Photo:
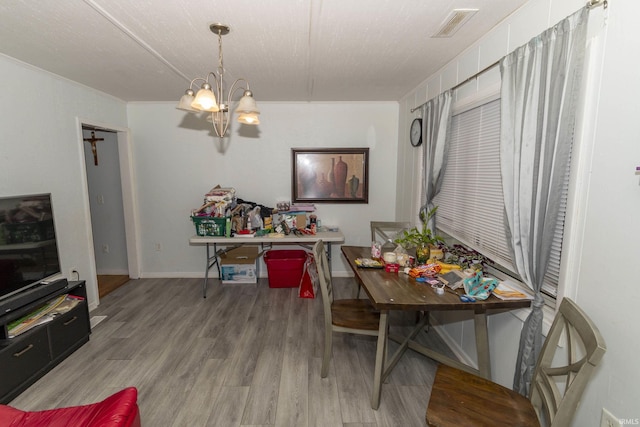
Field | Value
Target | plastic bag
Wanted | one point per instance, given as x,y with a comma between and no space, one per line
479,287
309,281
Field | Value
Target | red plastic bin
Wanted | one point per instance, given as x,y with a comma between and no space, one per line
285,267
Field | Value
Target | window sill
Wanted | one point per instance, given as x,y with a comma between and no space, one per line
548,312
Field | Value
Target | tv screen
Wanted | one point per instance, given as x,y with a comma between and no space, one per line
28,247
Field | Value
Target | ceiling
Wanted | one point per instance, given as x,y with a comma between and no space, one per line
289,50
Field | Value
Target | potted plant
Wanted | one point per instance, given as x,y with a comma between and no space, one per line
421,239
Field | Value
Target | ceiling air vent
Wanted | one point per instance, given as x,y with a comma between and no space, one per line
452,23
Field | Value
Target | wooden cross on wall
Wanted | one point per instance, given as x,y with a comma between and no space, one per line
94,149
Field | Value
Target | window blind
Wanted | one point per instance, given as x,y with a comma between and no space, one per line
470,202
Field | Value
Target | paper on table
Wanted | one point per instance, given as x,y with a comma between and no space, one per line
508,291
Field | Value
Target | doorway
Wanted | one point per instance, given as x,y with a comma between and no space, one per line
109,185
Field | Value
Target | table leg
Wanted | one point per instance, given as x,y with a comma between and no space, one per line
404,344
206,274
482,344
381,356
215,259
211,261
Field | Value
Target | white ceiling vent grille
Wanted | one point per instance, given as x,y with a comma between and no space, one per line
452,23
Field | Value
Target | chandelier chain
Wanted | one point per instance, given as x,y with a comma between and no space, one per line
220,57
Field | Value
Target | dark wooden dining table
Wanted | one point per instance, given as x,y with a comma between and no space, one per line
398,291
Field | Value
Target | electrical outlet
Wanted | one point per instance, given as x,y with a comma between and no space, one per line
105,248
101,199
158,247
73,274
608,420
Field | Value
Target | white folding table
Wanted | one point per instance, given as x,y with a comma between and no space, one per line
304,240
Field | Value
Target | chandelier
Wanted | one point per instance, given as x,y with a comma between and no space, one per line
211,95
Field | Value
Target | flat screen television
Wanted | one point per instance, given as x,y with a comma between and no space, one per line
28,247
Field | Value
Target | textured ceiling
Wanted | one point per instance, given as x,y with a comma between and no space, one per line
289,50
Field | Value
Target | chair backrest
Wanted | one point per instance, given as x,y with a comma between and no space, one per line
324,276
556,390
385,231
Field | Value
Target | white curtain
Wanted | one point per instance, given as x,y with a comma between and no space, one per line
540,89
436,120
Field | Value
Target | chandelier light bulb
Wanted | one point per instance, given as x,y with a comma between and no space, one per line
249,119
205,99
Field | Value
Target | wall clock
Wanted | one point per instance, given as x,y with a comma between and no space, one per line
415,132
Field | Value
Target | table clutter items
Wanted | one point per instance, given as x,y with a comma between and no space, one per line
391,267
222,213
456,267
376,250
389,257
369,263
479,287
507,291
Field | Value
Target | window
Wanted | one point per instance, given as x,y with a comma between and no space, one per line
470,203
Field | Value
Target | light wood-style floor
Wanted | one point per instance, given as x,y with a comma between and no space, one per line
247,355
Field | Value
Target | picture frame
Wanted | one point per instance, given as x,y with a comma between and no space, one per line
330,175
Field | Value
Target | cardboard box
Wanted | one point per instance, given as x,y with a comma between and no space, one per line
239,265
301,220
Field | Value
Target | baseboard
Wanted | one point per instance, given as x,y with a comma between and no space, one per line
117,272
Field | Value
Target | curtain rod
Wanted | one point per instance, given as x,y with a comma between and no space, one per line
468,79
595,3
590,5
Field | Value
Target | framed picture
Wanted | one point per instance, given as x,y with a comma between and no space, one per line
330,175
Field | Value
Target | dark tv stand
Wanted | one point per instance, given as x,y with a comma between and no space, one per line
32,294
27,357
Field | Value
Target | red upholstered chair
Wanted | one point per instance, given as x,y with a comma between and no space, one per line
117,410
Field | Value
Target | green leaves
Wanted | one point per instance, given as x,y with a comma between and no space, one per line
415,237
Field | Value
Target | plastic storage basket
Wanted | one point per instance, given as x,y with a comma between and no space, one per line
285,267
210,225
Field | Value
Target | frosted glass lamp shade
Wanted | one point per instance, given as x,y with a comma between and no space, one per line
247,104
205,100
185,102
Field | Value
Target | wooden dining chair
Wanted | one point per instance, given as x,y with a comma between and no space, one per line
387,231
462,399
353,316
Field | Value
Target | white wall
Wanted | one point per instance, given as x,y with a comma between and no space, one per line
602,251
41,152
177,163
607,285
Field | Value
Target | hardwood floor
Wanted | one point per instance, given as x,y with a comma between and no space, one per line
246,355
108,283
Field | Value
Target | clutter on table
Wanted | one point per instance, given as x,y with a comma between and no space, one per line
224,214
